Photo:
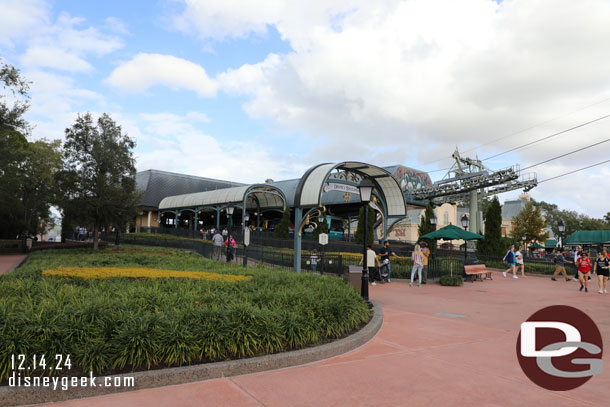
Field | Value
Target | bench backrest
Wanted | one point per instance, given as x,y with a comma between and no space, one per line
475,267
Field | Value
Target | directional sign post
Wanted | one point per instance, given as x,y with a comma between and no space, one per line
323,240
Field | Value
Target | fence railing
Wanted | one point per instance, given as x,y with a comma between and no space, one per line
333,258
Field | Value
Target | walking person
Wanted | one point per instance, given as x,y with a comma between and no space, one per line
584,267
418,264
519,261
313,260
217,244
601,266
385,254
559,261
577,253
426,251
231,246
371,259
509,257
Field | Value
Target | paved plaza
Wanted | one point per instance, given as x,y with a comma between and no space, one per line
439,346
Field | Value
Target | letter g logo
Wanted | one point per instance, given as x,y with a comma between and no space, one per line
555,344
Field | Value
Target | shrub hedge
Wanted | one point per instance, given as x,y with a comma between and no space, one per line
121,324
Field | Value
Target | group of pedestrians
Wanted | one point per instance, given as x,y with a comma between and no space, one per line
381,261
515,262
582,259
218,241
586,267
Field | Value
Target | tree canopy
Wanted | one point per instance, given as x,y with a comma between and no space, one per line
99,181
359,235
530,223
283,229
573,220
493,243
426,227
27,169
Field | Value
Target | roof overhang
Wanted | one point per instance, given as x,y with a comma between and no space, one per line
267,196
309,191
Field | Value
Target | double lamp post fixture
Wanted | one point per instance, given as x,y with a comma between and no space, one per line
366,189
562,228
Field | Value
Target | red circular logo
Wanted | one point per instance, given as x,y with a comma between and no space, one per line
560,348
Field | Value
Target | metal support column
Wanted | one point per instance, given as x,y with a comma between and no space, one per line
474,212
195,224
176,220
298,218
217,218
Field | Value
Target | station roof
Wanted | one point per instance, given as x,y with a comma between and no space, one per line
156,185
267,195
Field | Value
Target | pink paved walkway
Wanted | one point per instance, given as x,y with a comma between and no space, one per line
8,261
424,355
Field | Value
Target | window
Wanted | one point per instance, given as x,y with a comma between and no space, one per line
446,218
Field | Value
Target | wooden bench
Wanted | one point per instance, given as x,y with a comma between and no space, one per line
477,271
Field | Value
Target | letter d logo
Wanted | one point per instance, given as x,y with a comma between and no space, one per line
560,348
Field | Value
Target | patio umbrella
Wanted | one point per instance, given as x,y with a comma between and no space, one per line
535,246
451,232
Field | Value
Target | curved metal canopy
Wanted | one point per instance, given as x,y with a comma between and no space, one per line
267,196
309,190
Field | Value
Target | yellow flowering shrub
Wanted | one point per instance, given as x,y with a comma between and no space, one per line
139,272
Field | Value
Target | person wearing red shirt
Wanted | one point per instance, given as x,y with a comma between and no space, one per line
584,268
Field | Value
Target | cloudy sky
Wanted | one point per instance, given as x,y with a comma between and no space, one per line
250,90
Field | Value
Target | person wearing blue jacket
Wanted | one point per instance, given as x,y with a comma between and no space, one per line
510,259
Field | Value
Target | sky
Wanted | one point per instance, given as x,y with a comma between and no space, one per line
252,90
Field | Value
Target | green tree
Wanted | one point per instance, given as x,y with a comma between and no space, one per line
426,227
99,183
283,229
359,235
37,189
607,218
17,88
530,223
492,244
27,170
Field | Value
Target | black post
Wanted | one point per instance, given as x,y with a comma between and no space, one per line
364,287
465,248
349,228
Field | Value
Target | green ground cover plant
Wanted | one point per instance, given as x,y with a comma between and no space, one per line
122,324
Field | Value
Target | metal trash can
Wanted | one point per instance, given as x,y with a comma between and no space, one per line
355,276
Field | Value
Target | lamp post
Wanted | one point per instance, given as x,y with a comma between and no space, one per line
230,210
562,228
465,222
433,220
246,219
523,239
321,219
366,189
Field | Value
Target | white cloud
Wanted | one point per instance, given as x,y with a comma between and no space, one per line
175,143
421,77
116,25
55,58
147,70
19,17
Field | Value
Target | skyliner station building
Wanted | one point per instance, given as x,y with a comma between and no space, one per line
184,204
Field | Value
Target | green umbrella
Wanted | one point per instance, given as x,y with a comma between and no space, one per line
535,246
451,232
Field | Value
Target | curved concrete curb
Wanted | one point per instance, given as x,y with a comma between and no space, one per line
19,263
12,396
